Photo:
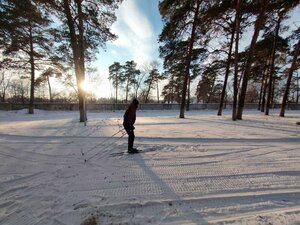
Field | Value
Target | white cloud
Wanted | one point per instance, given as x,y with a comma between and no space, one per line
113,52
135,33
136,41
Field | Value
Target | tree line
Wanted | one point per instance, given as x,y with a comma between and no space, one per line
192,27
200,46
54,37
142,81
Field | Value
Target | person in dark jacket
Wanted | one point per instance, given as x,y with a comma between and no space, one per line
128,123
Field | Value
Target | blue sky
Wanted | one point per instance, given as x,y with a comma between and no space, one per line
138,26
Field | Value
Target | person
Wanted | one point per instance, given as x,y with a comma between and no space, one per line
128,123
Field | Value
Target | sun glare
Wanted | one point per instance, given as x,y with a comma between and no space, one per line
86,86
99,91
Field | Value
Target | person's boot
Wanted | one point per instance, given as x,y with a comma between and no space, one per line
133,150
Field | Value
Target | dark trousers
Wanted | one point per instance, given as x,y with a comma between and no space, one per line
131,137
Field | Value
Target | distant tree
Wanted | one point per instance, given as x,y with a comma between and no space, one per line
24,87
169,90
208,88
150,82
196,71
130,73
152,79
115,74
295,89
138,83
252,93
45,78
4,84
174,55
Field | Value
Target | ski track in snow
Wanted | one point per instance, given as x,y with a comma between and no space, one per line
203,169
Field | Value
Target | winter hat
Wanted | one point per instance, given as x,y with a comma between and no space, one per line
135,102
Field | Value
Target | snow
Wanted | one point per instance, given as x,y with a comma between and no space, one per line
203,169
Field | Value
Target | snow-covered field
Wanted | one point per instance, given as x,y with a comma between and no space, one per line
203,169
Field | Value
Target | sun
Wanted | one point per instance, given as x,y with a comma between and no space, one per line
85,85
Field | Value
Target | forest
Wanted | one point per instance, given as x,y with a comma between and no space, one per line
225,52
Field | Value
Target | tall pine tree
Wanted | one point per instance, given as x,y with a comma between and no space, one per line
85,27
25,36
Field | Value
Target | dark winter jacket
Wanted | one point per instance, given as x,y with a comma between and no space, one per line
130,116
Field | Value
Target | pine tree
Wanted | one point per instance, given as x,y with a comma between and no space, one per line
266,8
260,20
227,70
236,60
45,78
208,88
129,76
85,28
25,36
290,72
115,74
182,27
174,55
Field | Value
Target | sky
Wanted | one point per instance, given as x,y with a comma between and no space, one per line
138,26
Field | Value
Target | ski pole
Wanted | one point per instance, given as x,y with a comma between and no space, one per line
123,134
106,139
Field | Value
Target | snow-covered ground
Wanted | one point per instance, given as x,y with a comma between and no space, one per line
203,169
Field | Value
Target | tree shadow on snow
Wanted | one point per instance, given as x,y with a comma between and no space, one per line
167,191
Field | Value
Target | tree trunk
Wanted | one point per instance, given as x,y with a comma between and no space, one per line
269,93
189,95
272,70
81,50
263,102
78,52
49,87
172,90
188,61
273,93
297,99
288,82
148,91
258,25
22,96
2,85
32,70
263,80
157,92
265,87
127,90
117,88
226,73
236,60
